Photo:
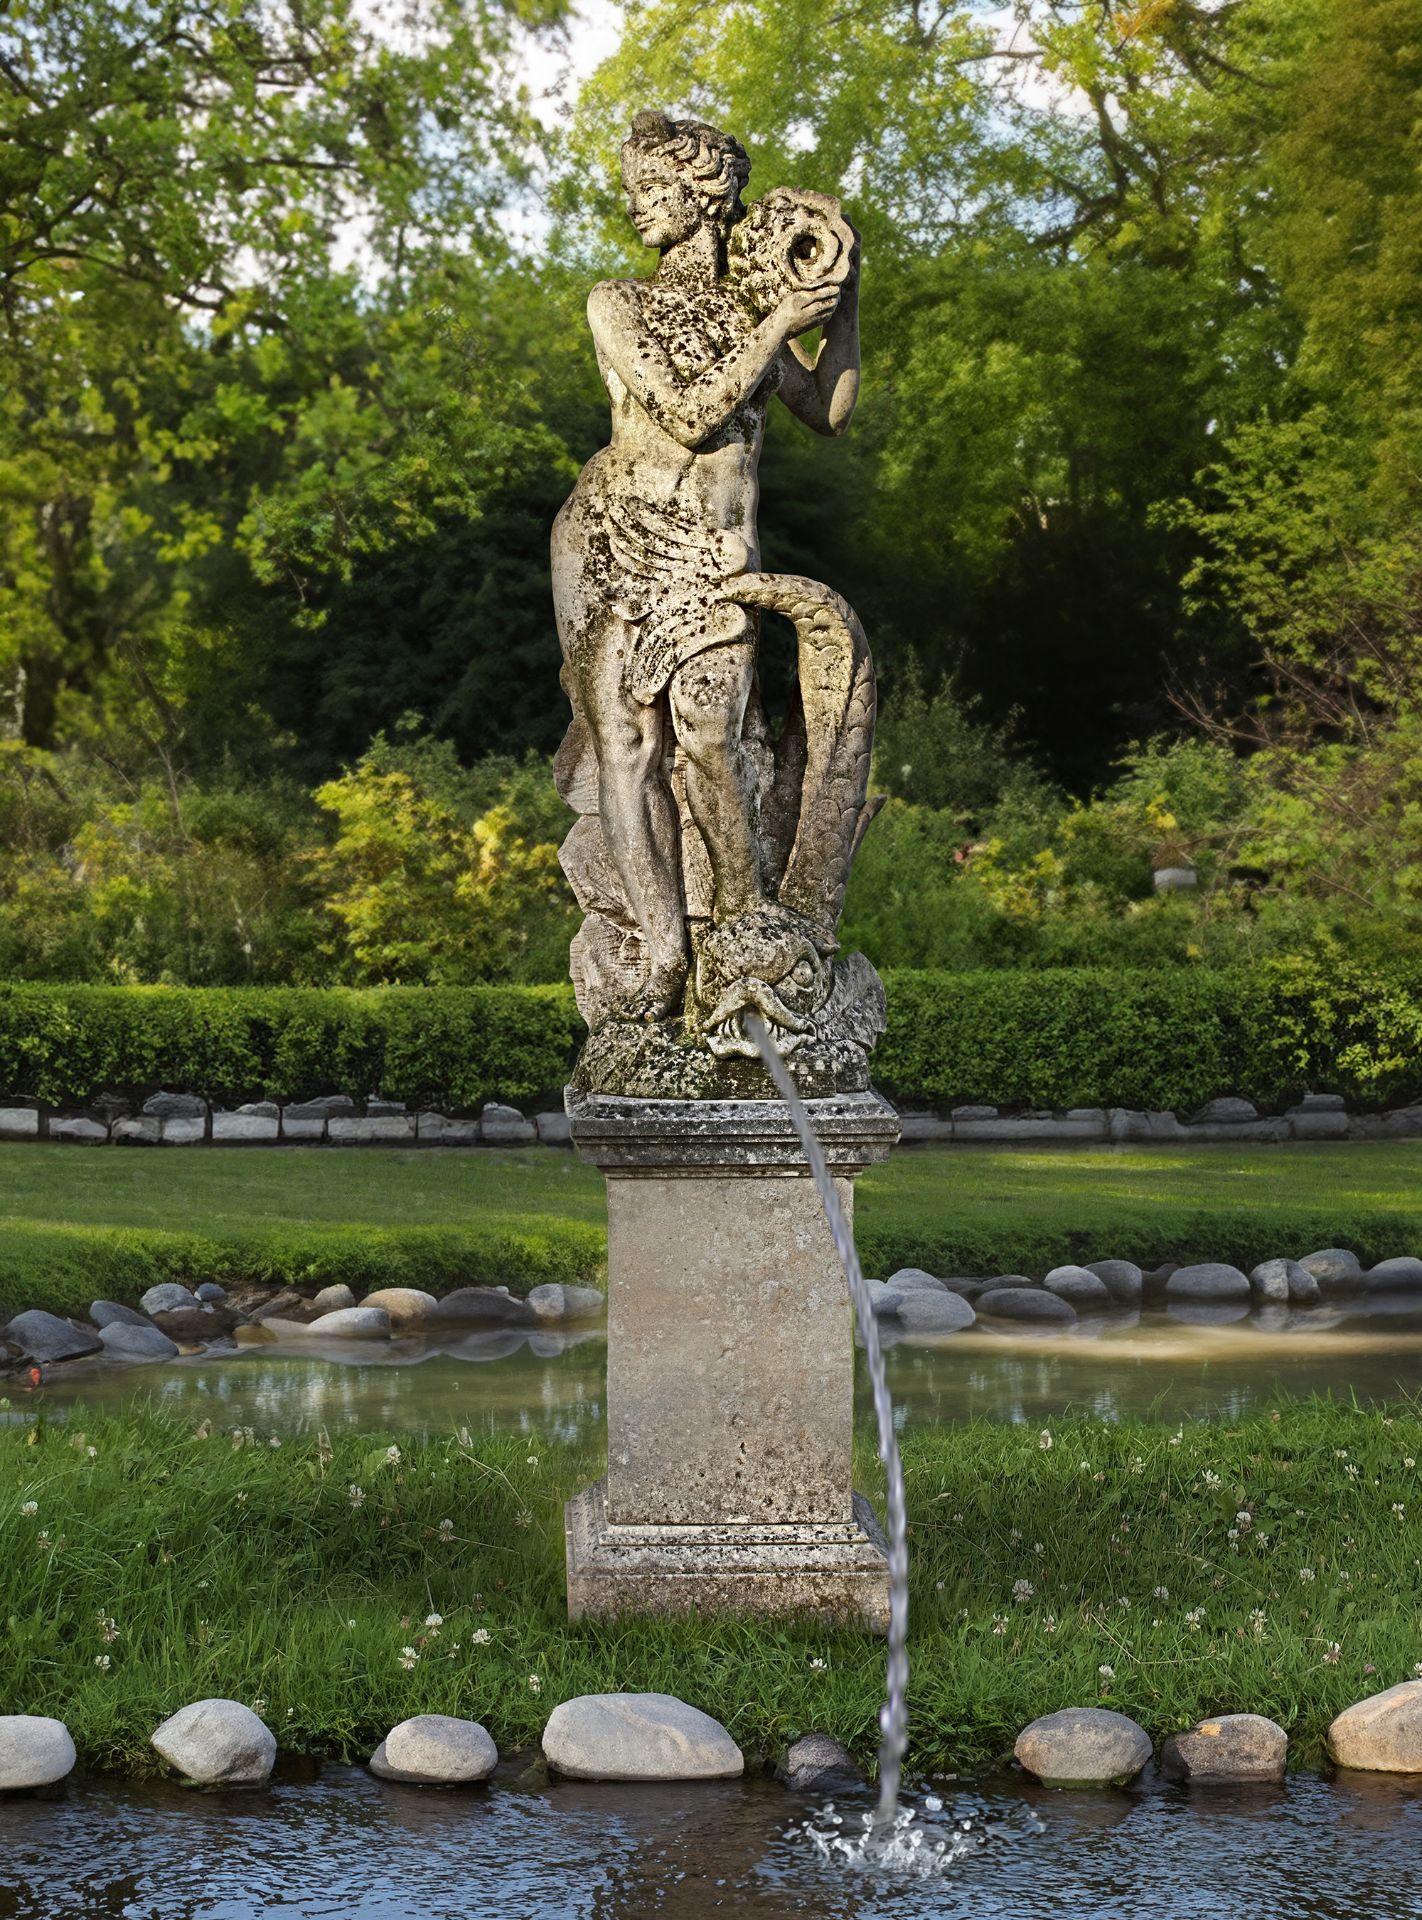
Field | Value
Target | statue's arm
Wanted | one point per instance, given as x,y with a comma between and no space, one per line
821,389
689,411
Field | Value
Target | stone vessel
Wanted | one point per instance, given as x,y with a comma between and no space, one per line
710,857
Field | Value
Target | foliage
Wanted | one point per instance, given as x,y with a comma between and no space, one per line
153,1545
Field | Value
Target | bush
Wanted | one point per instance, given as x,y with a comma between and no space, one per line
1162,1037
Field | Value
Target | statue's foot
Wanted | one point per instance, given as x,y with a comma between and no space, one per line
660,998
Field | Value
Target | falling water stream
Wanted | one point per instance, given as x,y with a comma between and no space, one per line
893,1715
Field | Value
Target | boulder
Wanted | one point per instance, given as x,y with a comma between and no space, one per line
638,1736
168,1298
283,1302
19,1123
196,1323
245,1129
1026,1303
1078,1285
175,1106
45,1337
346,1323
1382,1734
438,1130
1402,1275
971,1112
1231,1747
362,1131
77,1127
913,1280
1335,1269
473,1306
1122,1279
506,1127
966,1286
320,1109
261,1110
1210,1280
218,1743
109,1313
334,1299
137,1133
559,1301
944,1312
1307,1122
882,1298
1083,1747
34,1751
1300,1288
407,1306
137,1343
211,1294
1225,1111
815,1762
554,1129
434,1750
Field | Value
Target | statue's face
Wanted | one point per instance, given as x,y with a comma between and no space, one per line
663,205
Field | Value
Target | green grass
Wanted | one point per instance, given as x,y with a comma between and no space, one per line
76,1223
197,1566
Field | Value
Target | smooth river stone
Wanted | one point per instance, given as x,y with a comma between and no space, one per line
1123,1279
1026,1303
436,1751
638,1736
1382,1734
347,1323
558,1301
218,1743
1336,1269
934,1312
1209,1280
1225,1749
110,1313
407,1306
34,1751
1083,1747
44,1337
1079,1286
1403,1275
137,1343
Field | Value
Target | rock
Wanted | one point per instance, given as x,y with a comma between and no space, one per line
882,1298
966,1286
923,1127
1123,1280
1083,1747
1210,1280
437,1130
815,1762
1078,1285
19,1123
45,1337
34,1752
1300,1288
295,1127
346,1323
1174,879
1402,1275
1382,1734
506,1127
434,1750
168,1298
974,1113
1225,1110
218,1743
108,1313
137,1133
175,1106
1233,1746
1307,1123
1128,1125
244,1129
395,1129
471,1306
638,1736
406,1306
1321,1103
1335,1269
554,1129
283,1301
211,1294
559,1301
77,1128
137,1343
334,1299
196,1323
1025,1303
378,1109
183,1132
261,1110
321,1109
945,1312
913,1280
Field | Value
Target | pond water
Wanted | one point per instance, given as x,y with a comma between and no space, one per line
347,1847
554,1385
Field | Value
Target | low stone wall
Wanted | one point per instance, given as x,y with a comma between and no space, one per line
185,1120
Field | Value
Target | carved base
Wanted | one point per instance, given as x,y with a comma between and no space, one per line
828,1570
663,1062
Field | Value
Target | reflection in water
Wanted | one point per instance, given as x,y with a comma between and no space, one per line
554,1384
346,1847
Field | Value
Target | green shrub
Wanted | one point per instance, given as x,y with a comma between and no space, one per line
1158,1037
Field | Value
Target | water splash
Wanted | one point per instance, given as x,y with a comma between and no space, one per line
918,1844
893,1715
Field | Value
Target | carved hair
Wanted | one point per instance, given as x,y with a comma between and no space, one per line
715,162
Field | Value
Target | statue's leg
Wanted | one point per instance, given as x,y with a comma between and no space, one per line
709,695
638,813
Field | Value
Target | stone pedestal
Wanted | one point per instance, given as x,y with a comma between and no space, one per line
730,1365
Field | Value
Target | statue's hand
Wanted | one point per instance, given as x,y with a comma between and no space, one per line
808,307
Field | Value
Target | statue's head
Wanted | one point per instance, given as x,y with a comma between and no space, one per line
681,175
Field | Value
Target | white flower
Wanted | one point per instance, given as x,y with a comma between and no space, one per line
1044,1440
1409,1462
446,1529
1107,1673
241,1499
1244,1520
30,1509
480,1637
1258,1620
1176,1437
357,1495
351,1625
393,1456
1160,1593
535,1685
1332,1653
1211,1480
533,1460
408,1657
817,1666
1049,1625
1022,1591
1037,1547
1193,1618
1307,1575
1398,1508
102,1662
91,1453
1123,1602
259,1705
434,1621
999,1623
274,1442
108,1628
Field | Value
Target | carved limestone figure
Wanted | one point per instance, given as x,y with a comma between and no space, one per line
710,856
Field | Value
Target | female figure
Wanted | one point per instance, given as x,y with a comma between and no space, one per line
660,519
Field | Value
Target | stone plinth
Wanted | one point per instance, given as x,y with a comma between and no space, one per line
730,1371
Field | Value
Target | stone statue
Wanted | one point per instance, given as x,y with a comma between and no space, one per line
710,855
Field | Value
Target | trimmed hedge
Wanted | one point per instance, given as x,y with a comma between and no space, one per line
1158,1038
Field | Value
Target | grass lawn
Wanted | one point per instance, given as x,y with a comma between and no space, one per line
339,1588
75,1222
